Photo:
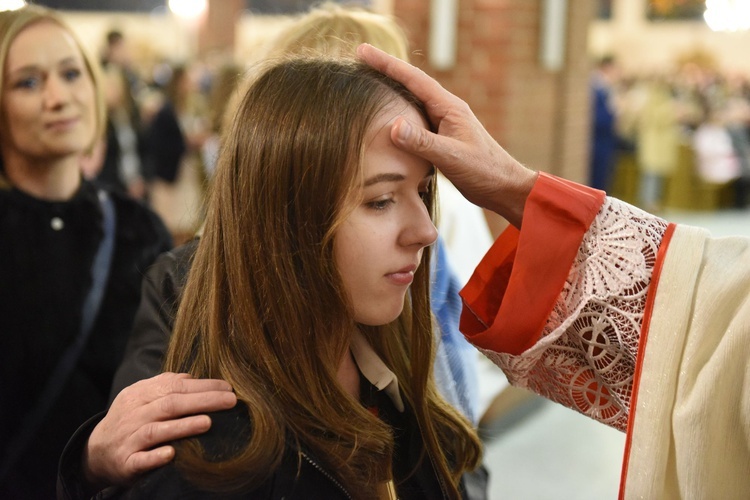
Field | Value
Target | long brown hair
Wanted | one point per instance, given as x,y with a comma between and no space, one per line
264,306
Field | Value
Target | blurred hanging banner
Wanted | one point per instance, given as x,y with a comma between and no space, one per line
552,43
443,29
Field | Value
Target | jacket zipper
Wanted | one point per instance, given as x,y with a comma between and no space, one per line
443,489
326,474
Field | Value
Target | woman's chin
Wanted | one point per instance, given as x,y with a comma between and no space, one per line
378,318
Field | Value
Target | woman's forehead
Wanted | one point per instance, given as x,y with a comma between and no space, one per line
380,149
41,44
390,112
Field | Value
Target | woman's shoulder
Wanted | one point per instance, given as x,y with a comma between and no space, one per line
298,475
229,433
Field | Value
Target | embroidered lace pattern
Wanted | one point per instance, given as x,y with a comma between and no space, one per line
586,356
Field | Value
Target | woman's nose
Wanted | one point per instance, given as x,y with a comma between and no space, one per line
56,92
420,230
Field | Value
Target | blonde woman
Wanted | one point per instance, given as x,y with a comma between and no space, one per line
71,255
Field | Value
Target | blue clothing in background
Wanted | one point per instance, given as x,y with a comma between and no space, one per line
455,360
603,137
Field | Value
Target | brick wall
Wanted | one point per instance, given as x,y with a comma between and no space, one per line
540,117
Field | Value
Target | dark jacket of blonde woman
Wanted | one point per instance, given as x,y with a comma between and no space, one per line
46,254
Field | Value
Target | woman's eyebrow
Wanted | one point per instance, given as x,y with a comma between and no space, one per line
33,68
384,177
393,177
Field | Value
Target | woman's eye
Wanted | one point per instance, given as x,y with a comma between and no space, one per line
30,82
380,204
71,74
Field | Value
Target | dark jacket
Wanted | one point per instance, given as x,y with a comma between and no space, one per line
301,474
154,319
46,255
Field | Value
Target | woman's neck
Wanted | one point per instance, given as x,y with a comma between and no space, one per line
51,181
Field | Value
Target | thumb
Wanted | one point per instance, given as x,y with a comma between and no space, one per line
418,141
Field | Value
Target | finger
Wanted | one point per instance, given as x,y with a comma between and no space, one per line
177,405
154,388
150,389
158,433
422,142
424,87
144,461
187,384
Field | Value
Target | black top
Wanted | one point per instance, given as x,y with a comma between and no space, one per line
46,252
165,144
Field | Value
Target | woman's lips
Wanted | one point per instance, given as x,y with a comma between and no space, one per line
62,125
403,276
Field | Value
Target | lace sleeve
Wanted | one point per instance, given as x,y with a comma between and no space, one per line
586,356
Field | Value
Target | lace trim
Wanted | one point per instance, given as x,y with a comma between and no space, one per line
586,357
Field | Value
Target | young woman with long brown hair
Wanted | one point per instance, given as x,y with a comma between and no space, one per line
309,294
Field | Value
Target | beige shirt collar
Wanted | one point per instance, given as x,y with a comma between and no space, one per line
374,370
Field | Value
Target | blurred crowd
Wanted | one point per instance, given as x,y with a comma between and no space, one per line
678,140
163,123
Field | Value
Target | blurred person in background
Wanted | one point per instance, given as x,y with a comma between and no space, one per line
71,255
716,158
174,138
657,143
122,165
603,124
222,91
116,54
738,126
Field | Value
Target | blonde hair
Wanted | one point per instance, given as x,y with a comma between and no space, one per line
330,30
12,22
335,30
264,306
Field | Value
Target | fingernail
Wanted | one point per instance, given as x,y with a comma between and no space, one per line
404,131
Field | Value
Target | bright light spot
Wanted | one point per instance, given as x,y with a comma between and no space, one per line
11,4
727,15
189,9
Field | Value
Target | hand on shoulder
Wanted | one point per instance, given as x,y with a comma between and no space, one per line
130,439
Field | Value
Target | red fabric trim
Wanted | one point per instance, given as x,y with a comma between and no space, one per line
513,290
643,339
